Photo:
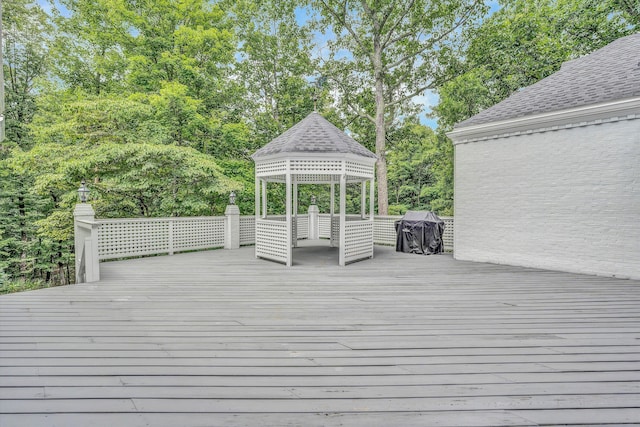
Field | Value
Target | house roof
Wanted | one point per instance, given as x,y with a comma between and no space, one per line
608,74
313,134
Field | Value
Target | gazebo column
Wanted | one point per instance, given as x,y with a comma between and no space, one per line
343,217
257,205
371,198
264,199
363,199
257,196
288,218
295,212
332,211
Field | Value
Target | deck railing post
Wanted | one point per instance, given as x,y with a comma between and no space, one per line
232,227
84,212
314,222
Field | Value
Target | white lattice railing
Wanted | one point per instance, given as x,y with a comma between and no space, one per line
120,238
324,226
358,242
247,230
302,230
272,239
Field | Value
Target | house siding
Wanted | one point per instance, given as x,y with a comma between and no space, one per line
564,200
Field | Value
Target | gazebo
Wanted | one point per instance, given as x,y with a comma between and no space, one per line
314,151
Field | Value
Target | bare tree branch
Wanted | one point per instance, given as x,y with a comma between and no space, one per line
387,13
430,43
343,21
396,24
355,109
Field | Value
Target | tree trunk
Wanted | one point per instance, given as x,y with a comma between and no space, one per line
381,131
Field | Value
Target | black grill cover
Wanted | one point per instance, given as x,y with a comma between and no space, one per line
419,233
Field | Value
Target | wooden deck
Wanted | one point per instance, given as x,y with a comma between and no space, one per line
219,338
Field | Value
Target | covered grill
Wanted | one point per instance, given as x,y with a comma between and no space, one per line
420,232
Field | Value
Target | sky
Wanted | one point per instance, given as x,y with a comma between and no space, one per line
427,100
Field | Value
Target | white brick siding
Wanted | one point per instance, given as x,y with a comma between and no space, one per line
563,200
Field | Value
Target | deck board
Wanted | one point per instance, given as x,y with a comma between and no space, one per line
221,338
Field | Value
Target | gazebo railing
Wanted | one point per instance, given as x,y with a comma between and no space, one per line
271,239
358,242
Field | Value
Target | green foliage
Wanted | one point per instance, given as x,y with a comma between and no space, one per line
416,158
275,62
10,286
24,48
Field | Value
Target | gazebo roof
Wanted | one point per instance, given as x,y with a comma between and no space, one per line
313,134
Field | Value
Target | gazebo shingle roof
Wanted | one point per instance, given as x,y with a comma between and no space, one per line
608,74
313,134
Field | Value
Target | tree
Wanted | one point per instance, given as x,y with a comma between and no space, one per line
89,47
189,42
413,154
25,54
274,65
385,53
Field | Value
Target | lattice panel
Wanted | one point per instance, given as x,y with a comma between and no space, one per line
271,168
247,230
335,230
358,242
317,166
324,226
271,240
132,237
384,231
302,231
447,237
316,178
198,233
275,178
357,169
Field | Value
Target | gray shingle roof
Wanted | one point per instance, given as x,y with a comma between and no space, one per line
608,74
313,134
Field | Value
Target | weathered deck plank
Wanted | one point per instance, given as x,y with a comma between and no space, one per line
220,338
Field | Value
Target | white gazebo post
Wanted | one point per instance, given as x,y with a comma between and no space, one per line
343,218
313,152
332,212
289,228
314,218
232,228
295,213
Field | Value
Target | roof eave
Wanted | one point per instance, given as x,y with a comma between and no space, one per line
531,123
310,155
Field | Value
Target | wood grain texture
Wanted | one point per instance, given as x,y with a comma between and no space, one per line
219,338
